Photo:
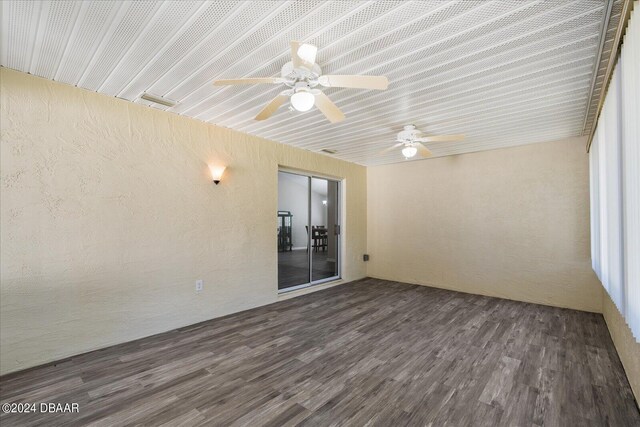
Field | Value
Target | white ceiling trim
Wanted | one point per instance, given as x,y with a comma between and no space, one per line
200,72
167,59
344,96
366,112
378,65
397,84
487,118
260,71
485,137
502,72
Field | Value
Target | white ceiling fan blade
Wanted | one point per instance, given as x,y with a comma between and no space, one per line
303,55
328,108
393,147
307,52
271,107
295,59
440,138
422,150
248,81
356,82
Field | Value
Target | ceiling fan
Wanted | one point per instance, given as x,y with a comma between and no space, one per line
411,139
302,76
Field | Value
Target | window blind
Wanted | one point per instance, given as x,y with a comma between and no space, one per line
614,164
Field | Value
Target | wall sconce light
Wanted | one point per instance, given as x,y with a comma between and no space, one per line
216,173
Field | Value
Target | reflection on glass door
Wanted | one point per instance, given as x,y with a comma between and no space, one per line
308,230
293,223
324,229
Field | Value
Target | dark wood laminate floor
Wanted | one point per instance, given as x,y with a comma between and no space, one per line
293,267
371,352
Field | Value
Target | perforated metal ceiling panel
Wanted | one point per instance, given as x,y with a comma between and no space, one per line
502,72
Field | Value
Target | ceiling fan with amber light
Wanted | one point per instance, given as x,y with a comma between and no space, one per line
411,140
303,77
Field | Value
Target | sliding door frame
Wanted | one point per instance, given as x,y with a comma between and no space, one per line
338,181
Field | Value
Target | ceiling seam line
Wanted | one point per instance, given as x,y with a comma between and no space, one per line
270,39
390,32
509,95
490,84
230,15
275,12
596,65
625,15
477,26
177,33
152,20
556,124
108,34
473,112
316,34
72,35
364,123
350,97
480,124
373,68
36,34
501,117
407,78
211,118
466,31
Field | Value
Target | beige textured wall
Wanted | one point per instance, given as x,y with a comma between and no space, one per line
511,223
628,348
109,216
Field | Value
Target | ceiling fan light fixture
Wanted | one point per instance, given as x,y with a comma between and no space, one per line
302,100
307,52
409,151
301,75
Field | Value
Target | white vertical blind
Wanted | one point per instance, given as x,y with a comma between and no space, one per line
594,165
615,183
611,187
630,90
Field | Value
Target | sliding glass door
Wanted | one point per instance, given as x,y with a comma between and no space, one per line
308,230
293,225
324,229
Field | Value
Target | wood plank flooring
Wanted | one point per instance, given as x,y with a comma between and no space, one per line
371,352
293,267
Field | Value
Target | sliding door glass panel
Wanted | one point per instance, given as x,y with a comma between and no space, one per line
324,229
293,226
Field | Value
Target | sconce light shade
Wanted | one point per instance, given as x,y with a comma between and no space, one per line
216,173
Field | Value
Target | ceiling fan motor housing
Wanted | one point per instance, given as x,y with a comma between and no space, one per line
410,133
292,75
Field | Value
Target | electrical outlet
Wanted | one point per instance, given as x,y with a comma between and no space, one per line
199,285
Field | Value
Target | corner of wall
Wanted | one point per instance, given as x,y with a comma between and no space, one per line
626,345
